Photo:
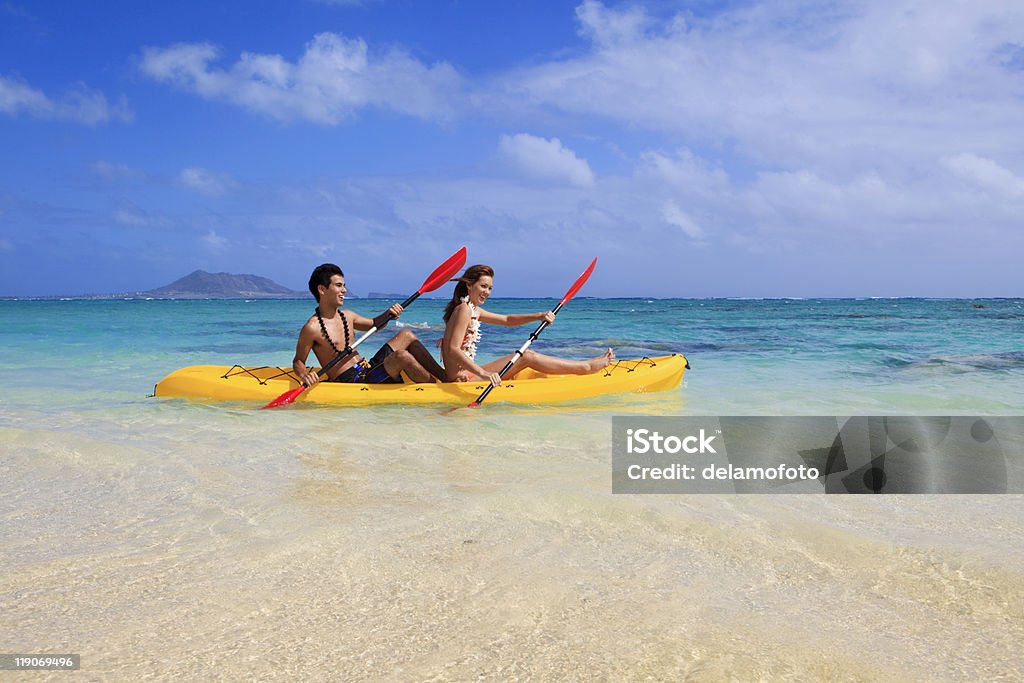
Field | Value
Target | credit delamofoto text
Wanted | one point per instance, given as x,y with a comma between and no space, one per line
874,454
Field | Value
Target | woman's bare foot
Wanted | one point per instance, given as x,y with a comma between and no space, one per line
602,361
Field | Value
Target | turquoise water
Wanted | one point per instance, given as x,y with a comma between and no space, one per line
162,539
792,357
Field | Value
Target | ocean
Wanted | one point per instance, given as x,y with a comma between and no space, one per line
166,539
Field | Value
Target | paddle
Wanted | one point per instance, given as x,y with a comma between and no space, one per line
580,281
441,275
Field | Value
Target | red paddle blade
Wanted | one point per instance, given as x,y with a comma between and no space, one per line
285,398
443,273
580,281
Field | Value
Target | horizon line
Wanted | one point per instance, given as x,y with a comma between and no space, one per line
142,297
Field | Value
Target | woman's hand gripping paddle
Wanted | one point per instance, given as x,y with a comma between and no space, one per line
441,275
580,281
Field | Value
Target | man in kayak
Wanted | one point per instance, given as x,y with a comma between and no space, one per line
330,330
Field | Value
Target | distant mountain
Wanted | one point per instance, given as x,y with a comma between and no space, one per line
201,284
386,295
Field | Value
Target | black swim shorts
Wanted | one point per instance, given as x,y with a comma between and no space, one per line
372,372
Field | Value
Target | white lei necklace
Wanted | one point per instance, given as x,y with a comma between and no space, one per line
469,342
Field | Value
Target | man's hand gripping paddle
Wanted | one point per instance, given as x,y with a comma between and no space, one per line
441,275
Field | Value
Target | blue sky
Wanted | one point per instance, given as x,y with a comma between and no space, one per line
696,148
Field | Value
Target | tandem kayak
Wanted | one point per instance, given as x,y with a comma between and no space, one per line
236,383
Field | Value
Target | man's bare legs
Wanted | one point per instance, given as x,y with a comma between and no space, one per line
411,357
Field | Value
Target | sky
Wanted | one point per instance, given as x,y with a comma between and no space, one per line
696,148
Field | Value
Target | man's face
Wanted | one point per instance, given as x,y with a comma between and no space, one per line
335,290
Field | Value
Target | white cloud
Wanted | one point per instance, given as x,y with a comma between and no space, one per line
673,215
79,104
836,85
213,241
829,134
987,174
112,171
684,171
803,204
207,182
334,78
546,159
609,28
15,96
132,216
779,233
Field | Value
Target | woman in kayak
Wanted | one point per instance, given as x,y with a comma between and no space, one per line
463,316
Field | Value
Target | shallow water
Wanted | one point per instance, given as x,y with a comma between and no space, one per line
164,539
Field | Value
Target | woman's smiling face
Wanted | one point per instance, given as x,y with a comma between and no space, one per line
480,290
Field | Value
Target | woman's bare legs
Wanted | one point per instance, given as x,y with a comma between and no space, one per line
550,365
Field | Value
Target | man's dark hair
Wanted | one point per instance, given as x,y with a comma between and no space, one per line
322,276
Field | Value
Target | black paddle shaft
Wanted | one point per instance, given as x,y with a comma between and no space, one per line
351,348
519,352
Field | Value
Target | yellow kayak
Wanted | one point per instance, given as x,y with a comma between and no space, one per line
236,383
